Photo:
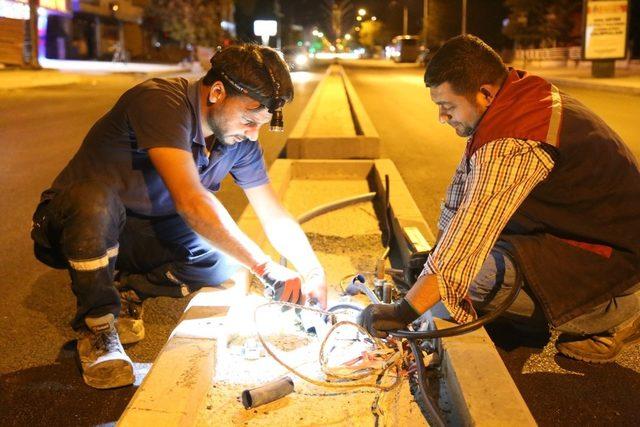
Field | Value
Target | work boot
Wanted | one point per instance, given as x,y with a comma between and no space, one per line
602,348
129,323
104,362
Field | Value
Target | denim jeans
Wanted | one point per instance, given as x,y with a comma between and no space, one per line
86,229
497,277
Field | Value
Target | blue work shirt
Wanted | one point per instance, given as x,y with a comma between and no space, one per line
156,113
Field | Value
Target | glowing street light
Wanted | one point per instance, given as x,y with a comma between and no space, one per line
347,36
362,12
358,18
320,34
373,18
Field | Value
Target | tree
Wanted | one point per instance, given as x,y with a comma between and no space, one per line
525,21
533,23
373,33
34,62
189,22
559,22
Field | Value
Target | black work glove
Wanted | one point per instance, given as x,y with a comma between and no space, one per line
379,318
283,284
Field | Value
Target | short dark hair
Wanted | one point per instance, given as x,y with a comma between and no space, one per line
257,69
466,63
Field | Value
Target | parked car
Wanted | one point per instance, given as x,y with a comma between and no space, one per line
405,48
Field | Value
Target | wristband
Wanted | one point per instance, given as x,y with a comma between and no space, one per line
260,268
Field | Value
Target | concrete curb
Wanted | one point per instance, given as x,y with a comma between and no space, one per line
334,124
175,388
30,79
478,383
173,391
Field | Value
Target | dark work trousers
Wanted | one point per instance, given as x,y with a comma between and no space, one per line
86,229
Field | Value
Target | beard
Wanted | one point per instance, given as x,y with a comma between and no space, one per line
220,133
464,130
467,129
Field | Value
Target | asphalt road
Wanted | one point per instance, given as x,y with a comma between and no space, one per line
558,391
40,129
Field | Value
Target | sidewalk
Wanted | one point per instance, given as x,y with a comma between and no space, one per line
626,80
59,72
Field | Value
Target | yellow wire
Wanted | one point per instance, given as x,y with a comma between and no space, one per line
320,383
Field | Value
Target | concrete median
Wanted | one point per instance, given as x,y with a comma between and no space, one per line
334,124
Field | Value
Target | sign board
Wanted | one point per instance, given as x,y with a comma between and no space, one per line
265,28
14,10
57,5
605,29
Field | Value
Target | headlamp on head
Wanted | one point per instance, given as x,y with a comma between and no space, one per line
273,104
277,118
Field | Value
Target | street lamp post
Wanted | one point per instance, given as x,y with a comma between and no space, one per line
464,17
425,22
34,61
405,19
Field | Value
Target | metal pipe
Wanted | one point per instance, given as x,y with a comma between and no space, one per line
358,285
266,393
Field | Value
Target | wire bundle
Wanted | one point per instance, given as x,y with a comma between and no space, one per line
391,364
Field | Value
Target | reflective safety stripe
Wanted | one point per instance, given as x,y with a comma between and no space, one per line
184,289
556,117
94,263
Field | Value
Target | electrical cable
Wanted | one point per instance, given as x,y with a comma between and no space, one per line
422,384
329,207
411,336
345,384
471,326
414,336
338,204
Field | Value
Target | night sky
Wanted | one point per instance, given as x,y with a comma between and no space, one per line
484,17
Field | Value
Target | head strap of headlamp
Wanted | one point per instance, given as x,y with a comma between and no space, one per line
273,104
276,102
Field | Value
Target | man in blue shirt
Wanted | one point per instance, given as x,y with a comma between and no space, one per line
138,197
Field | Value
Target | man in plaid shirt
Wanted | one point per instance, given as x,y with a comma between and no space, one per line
542,178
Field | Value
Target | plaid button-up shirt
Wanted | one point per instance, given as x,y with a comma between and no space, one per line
483,195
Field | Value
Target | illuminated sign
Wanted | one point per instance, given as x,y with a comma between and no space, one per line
265,28
605,29
14,10
58,5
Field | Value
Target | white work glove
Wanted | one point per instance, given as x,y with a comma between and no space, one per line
314,286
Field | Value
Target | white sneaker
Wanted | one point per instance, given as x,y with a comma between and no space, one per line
104,362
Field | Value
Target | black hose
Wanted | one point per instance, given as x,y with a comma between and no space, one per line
471,326
422,385
387,213
345,306
338,204
413,336
329,207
